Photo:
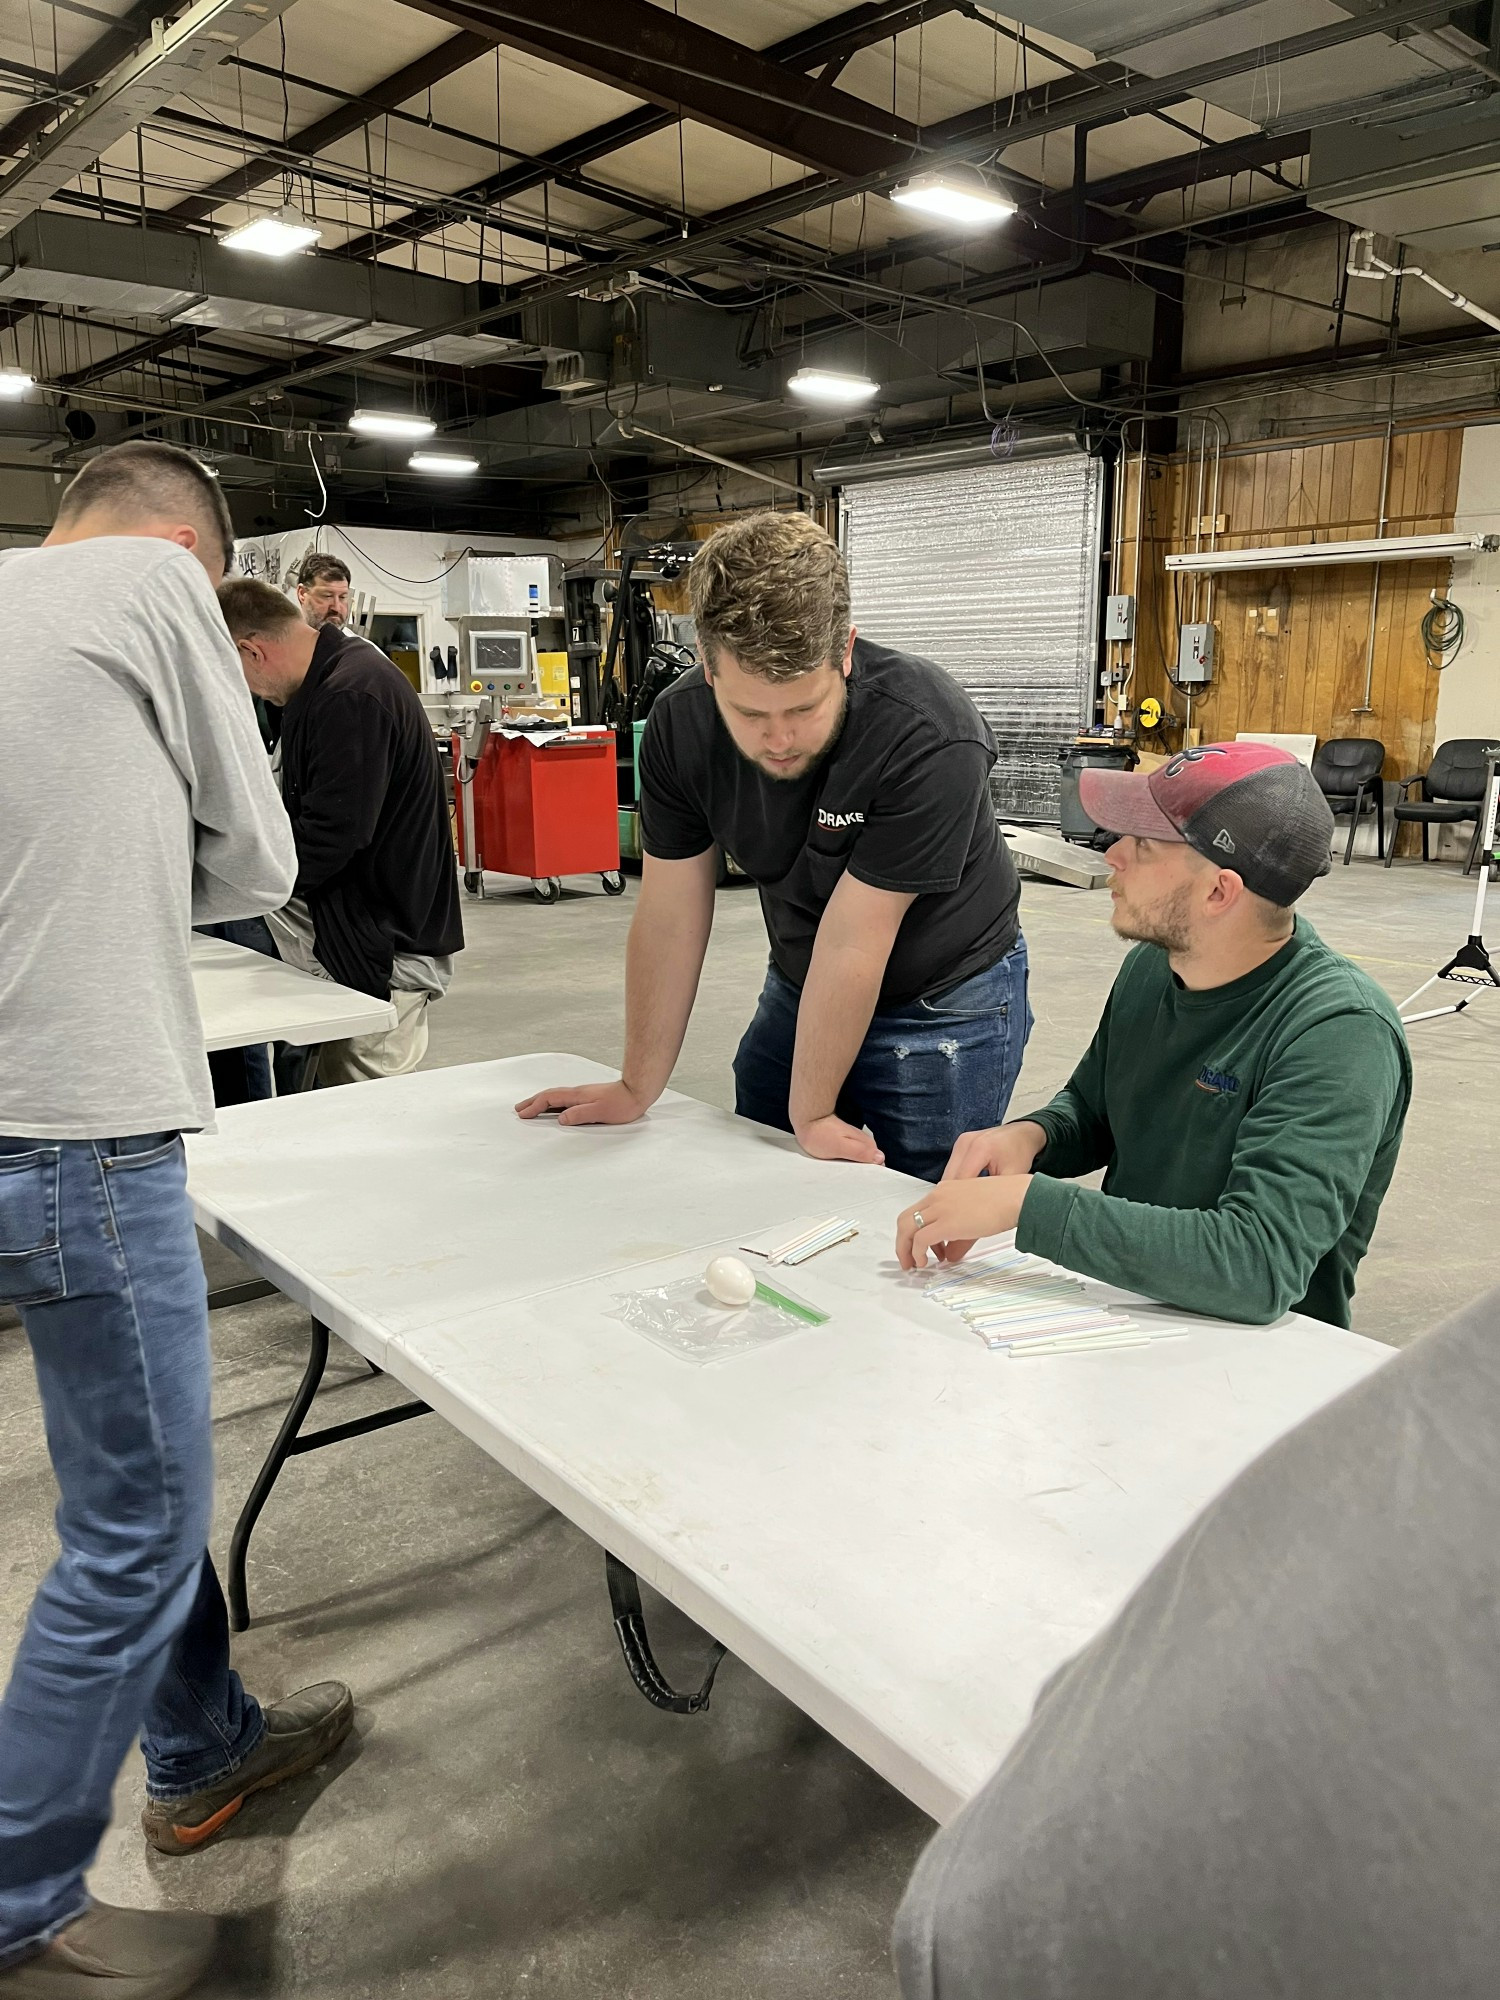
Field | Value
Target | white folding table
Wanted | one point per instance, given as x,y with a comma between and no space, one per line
903,1531
245,998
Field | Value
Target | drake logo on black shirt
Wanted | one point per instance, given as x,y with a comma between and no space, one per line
826,818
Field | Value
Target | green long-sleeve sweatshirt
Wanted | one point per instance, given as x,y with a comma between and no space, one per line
1249,1134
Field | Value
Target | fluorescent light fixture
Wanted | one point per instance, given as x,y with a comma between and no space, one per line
15,382
442,461
392,424
278,235
826,385
955,196
1322,555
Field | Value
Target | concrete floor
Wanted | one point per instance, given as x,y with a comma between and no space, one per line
512,1818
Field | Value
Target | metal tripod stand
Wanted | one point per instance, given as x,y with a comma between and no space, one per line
1471,965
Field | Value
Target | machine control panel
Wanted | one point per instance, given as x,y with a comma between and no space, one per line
503,666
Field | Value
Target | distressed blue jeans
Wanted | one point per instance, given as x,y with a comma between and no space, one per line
925,1073
128,1630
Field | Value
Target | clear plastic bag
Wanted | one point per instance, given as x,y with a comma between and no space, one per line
687,1320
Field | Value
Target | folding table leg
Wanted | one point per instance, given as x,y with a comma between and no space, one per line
239,1295
290,1444
265,1479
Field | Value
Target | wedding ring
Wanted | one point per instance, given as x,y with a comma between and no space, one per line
916,1216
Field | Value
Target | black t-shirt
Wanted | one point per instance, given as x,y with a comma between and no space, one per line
902,802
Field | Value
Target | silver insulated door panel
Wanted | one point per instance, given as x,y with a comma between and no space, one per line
991,570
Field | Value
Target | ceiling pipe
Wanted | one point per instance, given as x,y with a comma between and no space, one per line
1363,263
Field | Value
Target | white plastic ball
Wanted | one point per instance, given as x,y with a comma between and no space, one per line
731,1281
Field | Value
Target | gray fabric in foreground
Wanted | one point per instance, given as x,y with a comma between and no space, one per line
1278,1772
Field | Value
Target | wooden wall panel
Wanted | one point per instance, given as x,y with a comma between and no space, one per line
1293,644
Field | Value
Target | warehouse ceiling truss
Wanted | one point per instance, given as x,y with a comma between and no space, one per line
605,240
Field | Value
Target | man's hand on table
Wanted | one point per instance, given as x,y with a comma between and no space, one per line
833,1138
587,1104
951,1219
962,1208
1000,1150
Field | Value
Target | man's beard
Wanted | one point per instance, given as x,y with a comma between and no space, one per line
818,757
1166,923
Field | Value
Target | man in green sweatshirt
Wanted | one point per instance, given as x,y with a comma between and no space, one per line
1246,1088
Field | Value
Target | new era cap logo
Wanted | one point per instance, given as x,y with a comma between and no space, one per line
1222,840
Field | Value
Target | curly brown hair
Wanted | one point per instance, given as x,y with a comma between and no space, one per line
772,592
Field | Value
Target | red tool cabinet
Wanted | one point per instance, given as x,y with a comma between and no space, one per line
541,810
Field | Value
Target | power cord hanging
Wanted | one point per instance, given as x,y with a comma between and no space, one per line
322,489
1442,632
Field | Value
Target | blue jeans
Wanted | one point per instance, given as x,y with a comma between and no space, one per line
242,1076
97,1251
925,1074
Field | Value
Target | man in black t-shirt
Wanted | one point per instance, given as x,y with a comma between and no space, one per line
852,785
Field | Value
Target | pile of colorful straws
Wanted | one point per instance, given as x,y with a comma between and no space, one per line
1028,1306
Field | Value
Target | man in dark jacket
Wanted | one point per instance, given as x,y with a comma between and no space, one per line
375,904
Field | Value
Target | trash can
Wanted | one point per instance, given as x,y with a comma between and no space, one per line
1087,756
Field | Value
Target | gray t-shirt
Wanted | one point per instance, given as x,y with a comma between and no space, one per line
136,801
1276,1775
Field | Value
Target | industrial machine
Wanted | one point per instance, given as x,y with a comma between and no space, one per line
502,607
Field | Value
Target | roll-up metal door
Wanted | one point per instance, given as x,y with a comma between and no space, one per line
991,570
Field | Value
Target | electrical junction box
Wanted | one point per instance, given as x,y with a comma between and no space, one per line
1119,617
1195,655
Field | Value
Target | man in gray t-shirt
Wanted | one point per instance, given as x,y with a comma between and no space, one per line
137,800
1275,1776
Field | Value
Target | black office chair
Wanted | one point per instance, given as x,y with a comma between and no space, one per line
1452,792
1348,770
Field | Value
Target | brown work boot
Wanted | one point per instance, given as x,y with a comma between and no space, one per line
300,1732
116,1955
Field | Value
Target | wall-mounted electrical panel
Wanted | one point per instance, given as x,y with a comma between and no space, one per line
1195,655
1119,617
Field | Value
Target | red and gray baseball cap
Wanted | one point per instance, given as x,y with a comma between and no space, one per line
1246,806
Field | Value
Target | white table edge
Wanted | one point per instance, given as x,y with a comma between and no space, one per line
939,1795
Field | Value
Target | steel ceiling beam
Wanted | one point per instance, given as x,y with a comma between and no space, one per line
117,42
829,41
163,67
1208,163
1134,94
394,90
1181,170
969,136
625,198
128,357
576,243
669,61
